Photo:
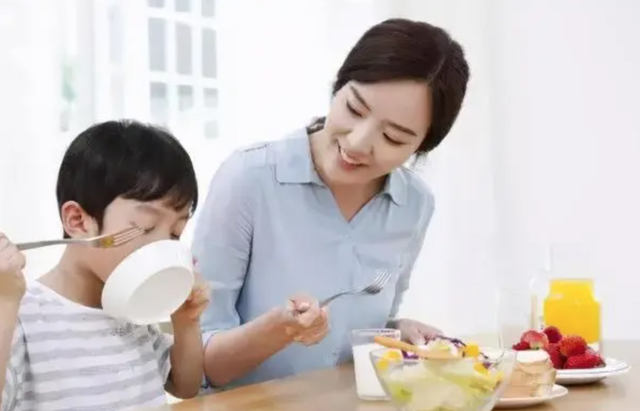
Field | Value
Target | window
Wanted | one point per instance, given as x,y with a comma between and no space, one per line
167,76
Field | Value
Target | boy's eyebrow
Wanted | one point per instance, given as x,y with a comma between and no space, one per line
148,208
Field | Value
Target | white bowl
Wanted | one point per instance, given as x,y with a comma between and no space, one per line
150,284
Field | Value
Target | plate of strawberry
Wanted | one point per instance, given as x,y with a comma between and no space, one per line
576,363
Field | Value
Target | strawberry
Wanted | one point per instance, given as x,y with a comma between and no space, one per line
601,362
572,345
556,357
553,334
536,340
588,359
521,346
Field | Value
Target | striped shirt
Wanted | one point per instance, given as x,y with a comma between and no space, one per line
66,356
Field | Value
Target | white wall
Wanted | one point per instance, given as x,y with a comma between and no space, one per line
566,111
29,84
545,153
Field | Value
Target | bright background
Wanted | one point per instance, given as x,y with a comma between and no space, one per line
545,153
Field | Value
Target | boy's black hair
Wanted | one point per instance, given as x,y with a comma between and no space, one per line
125,159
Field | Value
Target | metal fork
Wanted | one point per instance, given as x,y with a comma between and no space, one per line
382,278
374,288
103,241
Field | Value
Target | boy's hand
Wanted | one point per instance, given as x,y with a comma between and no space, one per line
12,261
189,313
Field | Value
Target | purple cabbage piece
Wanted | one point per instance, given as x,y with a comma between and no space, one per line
409,355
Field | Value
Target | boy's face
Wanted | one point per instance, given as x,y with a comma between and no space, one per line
161,221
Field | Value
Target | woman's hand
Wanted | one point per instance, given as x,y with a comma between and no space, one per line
306,323
415,332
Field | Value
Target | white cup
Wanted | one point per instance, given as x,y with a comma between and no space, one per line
362,343
150,284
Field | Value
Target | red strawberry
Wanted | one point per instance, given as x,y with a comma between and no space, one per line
588,359
572,345
521,346
536,340
553,334
556,357
601,362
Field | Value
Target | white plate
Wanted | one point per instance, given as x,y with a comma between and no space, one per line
582,377
556,392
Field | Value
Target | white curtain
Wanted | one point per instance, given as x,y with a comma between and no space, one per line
544,153
29,138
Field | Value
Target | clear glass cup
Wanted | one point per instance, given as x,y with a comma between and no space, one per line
515,314
362,344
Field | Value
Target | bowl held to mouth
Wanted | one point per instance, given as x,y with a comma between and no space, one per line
150,284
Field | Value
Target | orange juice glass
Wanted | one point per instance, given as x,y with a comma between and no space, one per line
572,307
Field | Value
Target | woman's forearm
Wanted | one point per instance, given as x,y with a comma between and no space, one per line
232,353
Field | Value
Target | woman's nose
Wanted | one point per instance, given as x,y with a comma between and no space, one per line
360,141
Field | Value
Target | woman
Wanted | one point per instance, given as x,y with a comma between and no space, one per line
319,212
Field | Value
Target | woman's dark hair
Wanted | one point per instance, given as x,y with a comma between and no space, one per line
401,49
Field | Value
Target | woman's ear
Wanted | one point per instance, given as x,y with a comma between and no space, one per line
76,222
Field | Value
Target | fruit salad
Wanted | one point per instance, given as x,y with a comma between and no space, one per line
568,352
444,375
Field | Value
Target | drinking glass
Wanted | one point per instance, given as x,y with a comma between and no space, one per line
362,343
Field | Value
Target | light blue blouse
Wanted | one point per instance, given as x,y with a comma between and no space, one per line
270,229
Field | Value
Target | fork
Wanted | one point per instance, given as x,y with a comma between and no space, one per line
102,241
382,278
372,289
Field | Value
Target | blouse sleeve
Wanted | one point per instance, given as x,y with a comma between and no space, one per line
222,241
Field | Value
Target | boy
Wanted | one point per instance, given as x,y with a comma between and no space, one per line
60,351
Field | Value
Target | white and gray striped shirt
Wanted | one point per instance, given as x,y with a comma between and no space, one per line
69,357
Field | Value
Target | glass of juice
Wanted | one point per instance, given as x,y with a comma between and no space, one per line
572,306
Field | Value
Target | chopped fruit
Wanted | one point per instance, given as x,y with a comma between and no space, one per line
471,350
553,334
536,339
556,357
572,345
588,359
460,384
392,355
382,364
521,346
479,367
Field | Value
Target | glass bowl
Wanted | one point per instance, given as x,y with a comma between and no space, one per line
461,384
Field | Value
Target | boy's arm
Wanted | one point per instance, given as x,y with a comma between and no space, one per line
180,359
12,355
187,362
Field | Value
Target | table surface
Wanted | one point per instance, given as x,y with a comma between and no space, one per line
334,389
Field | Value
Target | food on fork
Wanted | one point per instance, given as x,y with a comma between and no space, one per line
445,374
565,351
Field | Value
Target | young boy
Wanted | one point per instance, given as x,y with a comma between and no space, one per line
60,351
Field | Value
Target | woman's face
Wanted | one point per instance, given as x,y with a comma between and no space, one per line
371,129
